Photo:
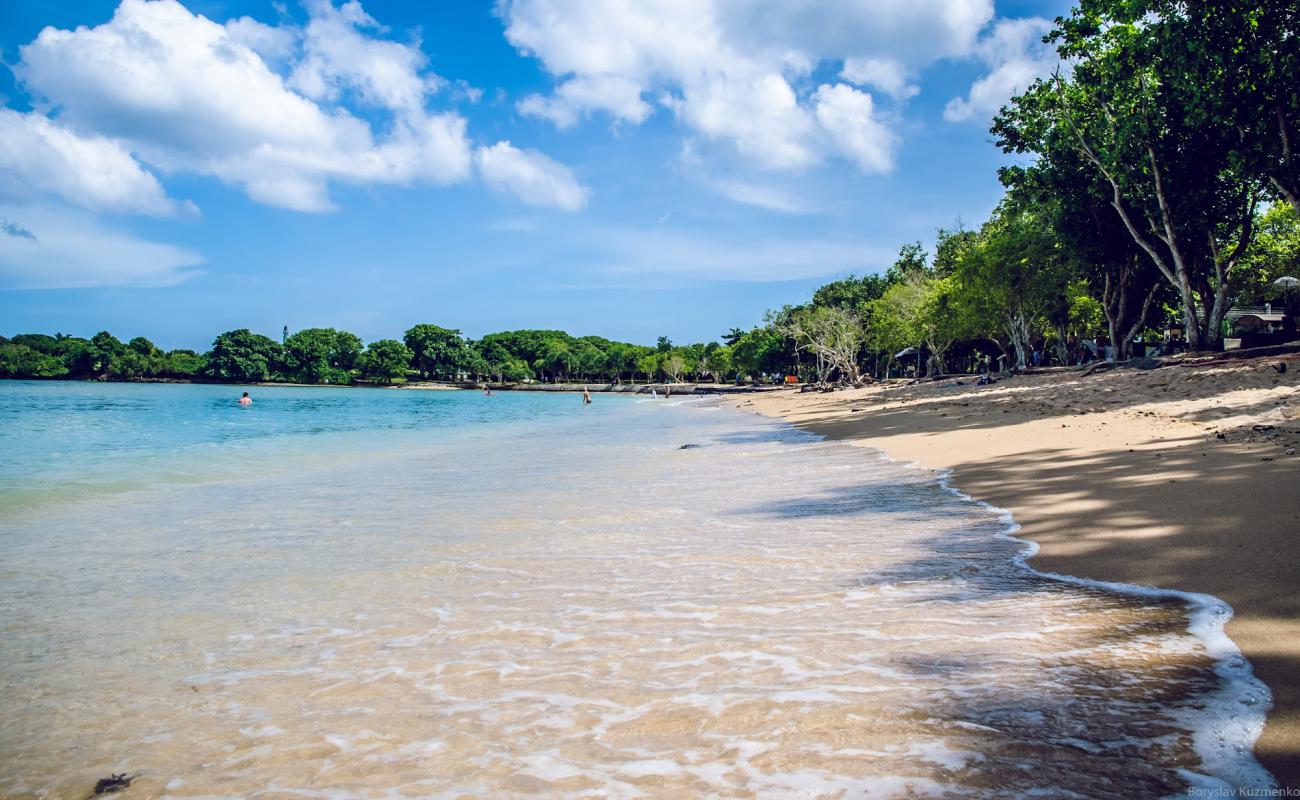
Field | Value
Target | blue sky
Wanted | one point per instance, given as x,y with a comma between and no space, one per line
628,169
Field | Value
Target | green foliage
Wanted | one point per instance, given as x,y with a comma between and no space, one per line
1157,110
1274,253
761,352
385,361
21,361
911,262
321,355
438,352
243,356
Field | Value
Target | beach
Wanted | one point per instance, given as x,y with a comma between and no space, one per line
1184,477
346,593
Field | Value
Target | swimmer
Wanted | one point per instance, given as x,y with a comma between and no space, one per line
586,396
245,400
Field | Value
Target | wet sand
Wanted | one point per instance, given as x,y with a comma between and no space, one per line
1184,477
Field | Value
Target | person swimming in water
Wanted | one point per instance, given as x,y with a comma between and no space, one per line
245,400
586,396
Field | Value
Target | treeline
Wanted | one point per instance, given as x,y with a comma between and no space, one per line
329,356
1161,192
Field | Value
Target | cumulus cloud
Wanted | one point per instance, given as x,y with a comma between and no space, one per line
846,115
39,159
885,74
1015,55
731,69
182,93
532,177
47,248
341,56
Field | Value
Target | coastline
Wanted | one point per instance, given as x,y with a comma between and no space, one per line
1177,478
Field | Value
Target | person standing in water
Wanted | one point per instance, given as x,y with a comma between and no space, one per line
586,396
245,400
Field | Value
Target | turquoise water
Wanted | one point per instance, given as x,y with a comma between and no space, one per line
349,593
70,438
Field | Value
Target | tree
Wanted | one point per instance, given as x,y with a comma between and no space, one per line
648,364
1275,253
761,351
833,335
244,356
1244,55
911,261
1137,113
321,355
438,352
21,361
673,365
1015,279
385,361
716,362
104,347
183,364
919,311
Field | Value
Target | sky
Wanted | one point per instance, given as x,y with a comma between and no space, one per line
626,168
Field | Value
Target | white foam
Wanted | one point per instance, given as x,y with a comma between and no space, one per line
1225,729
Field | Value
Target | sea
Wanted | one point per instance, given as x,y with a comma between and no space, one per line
361,593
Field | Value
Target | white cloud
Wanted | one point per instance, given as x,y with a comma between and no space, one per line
885,74
46,248
619,96
846,115
1015,55
339,56
186,94
532,177
39,159
760,196
268,41
732,70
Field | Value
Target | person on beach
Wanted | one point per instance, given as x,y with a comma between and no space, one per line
245,400
586,396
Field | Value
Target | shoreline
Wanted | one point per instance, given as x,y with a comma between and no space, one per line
1180,478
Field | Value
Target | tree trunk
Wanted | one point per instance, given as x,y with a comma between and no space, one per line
1018,333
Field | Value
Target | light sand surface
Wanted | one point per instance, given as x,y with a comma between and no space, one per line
1183,477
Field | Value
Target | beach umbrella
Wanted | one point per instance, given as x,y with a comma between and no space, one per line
1287,282
911,351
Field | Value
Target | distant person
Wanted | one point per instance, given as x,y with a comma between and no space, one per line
586,396
245,400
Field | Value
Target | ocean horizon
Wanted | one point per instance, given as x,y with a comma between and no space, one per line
361,593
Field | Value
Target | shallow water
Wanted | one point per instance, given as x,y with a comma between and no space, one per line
348,593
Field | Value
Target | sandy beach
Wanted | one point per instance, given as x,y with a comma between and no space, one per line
1184,477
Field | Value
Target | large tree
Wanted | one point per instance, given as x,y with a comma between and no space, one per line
438,352
1162,140
832,335
321,355
241,355
385,361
